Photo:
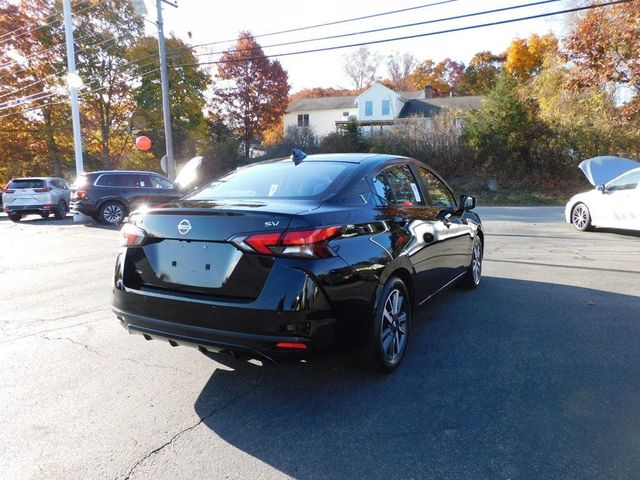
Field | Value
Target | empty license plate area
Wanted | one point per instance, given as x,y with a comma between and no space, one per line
195,264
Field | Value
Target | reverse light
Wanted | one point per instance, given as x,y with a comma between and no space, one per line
132,236
296,243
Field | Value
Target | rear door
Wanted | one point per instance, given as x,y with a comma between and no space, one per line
415,230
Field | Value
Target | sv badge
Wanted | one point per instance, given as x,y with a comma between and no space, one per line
272,223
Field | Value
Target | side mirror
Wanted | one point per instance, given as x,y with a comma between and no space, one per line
467,202
602,189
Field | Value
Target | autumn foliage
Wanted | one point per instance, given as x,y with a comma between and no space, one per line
254,90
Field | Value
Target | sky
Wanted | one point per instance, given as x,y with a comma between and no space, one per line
213,21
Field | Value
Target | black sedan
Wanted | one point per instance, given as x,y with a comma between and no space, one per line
293,255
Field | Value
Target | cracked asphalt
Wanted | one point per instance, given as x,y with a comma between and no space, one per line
534,375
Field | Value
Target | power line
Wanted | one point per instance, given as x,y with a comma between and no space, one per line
382,29
56,94
14,33
335,22
408,37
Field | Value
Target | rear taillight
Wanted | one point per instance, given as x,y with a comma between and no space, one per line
81,195
42,190
296,243
6,189
132,236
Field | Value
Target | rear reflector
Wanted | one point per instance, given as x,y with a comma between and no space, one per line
291,345
297,243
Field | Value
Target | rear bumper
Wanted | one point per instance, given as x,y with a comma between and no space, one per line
84,206
210,339
26,209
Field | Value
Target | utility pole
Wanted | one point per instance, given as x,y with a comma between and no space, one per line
164,80
72,83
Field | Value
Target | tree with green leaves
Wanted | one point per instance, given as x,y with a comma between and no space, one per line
503,131
187,88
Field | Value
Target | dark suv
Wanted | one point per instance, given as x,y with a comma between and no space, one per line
109,196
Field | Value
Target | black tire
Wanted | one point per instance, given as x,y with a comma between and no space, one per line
473,275
15,217
112,213
61,210
389,331
581,217
45,214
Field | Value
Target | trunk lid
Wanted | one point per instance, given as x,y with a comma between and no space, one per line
188,250
218,221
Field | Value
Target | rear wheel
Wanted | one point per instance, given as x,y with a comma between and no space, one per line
389,331
61,210
112,213
15,217
45,214
581,217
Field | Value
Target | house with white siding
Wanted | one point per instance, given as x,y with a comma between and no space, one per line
375,108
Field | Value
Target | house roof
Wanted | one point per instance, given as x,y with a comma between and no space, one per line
428,107
322,103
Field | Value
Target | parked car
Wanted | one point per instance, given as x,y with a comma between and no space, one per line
109,196
614,203
36,195
285,257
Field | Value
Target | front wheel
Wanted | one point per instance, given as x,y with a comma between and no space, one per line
471,278
389,331
581,217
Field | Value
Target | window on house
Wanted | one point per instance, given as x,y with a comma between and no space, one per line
368,108
303,120
386,107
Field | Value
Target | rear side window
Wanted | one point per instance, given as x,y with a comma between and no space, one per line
120,180
18,184
278,180
398,185
160,182
439,194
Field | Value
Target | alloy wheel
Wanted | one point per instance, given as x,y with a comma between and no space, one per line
580,217
476,263
113,213
394,326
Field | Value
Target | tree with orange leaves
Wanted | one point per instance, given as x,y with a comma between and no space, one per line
604,45
525,57
253,91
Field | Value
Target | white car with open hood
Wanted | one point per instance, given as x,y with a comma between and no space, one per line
614,203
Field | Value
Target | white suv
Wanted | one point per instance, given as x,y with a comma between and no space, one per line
39,195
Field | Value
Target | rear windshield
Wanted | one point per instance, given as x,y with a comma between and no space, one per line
17,184
276,180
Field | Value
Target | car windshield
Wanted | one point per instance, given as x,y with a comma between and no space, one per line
278,180
26,183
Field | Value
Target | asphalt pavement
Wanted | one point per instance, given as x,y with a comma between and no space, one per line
534,375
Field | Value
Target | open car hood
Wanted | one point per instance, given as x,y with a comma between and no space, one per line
601,170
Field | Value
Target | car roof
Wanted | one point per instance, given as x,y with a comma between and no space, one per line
100,172
36,178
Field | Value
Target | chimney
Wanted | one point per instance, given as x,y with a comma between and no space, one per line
428,91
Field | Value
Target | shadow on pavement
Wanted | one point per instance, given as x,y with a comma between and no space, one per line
517,379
